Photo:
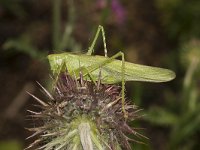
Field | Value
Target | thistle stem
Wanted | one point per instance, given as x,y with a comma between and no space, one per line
84,132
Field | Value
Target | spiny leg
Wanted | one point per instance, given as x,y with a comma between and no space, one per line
81,72
101,64
84,72
91,48
99,78
123,86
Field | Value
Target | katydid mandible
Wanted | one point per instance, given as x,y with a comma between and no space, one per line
112,70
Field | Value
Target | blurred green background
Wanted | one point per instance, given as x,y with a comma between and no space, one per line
163,33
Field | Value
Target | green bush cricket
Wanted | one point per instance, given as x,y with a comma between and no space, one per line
112,70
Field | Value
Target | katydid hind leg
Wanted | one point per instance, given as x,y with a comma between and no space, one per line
123,86
109,60
91,48
94,67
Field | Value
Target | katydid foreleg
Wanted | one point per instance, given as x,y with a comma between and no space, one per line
98,82
87,72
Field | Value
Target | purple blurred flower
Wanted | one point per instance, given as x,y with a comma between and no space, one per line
101,4
118,11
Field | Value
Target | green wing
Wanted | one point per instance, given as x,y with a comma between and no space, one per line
135,72
112,71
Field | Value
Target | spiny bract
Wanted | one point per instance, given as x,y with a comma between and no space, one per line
81,115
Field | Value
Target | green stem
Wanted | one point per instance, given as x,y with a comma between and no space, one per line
69,27
189,93
56,22
189,73
85,136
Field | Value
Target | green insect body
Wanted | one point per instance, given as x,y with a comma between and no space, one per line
111,72
111,69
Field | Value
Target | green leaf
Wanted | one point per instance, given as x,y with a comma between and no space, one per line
160,116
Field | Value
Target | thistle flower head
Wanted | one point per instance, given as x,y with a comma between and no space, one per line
82,115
